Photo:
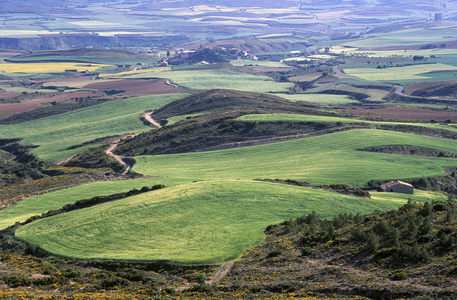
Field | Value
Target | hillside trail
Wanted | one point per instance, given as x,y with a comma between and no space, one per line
115,143
220,273
168,82
148,118
113,146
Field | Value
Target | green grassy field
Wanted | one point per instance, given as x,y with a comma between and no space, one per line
56,133
327,159
262,64
318,98
202,222
412,36
414,73
308,118
220,79
37,205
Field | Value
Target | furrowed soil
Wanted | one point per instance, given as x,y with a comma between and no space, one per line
138,87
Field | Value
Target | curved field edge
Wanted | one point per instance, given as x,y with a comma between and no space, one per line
309,118
202,222
55,134
327,159
40,204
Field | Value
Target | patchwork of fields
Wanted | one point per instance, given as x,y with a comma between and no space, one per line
213,207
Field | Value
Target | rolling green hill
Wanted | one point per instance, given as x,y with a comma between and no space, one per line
55,134
328,159
202,222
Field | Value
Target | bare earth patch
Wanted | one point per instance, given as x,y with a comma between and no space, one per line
423,85
404,114
137,87
14,108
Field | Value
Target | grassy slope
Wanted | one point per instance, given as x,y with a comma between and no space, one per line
200,222
56,133
319,98
415,72
413,36
308,118
325,159
220,79
37,205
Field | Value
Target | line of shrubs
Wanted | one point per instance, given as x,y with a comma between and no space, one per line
93,201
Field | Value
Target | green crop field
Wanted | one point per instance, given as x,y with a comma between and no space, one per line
327,159
318,98
39,204
413,73
262,64
220,79
203,222
308,118
413,36
56,133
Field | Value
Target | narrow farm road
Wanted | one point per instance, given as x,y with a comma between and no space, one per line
113,146
168,82
398,88
148,118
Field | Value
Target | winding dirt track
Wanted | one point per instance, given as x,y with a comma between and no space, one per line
398,88
115,143
151,120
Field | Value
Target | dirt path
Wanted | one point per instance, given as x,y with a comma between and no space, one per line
222,272
398,88
171,84
113,146
148,118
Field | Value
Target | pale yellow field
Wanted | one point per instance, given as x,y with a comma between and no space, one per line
47,67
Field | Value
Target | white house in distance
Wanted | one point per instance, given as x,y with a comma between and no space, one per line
398,187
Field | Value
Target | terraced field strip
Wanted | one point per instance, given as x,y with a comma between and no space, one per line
327,159
416,72
308,118
201,222
37,205
413,36
318,98
264,64
55,67
56,133
220,79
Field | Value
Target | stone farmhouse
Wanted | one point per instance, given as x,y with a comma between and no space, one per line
397,187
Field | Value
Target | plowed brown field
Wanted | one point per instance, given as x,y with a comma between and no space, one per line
14,108
137,87
404,114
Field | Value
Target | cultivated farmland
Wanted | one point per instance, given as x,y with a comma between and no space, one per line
202,222
56,134
327,159
220,79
